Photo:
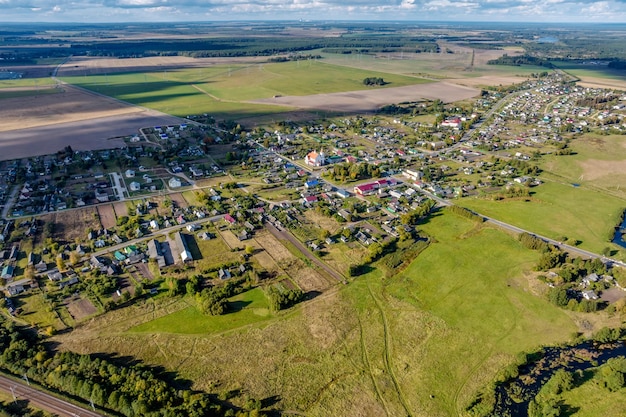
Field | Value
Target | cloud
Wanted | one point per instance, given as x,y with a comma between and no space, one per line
194,10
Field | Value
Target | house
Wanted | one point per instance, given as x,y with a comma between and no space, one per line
129,173
154,224
71,281
589,279
101,196
453,122
309,199
249,226
196,172
41,267
224,274
99,243
154,252
589,295
243,235
15,289
7,272
205,236
135,186
342,193
55,275
174,182
229,219
316,159
183,249
311,183
192,227
119,256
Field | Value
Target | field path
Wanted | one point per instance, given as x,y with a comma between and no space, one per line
387,354
370,371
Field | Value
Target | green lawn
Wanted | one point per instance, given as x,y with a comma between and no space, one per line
558,210
250,307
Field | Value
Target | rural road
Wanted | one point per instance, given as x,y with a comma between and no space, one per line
288,236
44,401
506,226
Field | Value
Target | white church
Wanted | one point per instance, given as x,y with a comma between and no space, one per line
316,159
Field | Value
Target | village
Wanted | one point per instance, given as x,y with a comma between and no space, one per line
92,230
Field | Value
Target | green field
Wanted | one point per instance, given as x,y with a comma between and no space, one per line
592,400
27,82
227,90
597,161
589,70
457,65
558,210
248,308
443,328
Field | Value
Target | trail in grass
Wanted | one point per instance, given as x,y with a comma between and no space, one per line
370,372
387,354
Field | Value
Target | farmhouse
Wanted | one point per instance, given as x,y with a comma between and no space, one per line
174,182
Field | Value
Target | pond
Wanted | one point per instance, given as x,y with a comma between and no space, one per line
513,396
548,39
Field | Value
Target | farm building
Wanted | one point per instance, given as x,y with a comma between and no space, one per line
183,249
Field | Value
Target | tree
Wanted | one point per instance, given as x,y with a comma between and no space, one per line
249,250
60,263
558,296
324,234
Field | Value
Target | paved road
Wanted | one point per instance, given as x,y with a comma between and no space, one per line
306,252
44,401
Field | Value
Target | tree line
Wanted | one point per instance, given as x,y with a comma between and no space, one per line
130,389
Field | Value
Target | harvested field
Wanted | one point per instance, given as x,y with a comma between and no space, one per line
370,100
488,80
81,308
310,280
594,169
265,260
70,105
80,66
597,82
231,240
107,216
88,134
121,209
179,200
274,248
70,225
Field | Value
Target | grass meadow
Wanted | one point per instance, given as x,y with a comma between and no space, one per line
558,210
246,308
444,327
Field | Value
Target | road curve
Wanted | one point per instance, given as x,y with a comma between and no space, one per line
44,401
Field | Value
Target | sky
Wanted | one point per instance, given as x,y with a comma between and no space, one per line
93,11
